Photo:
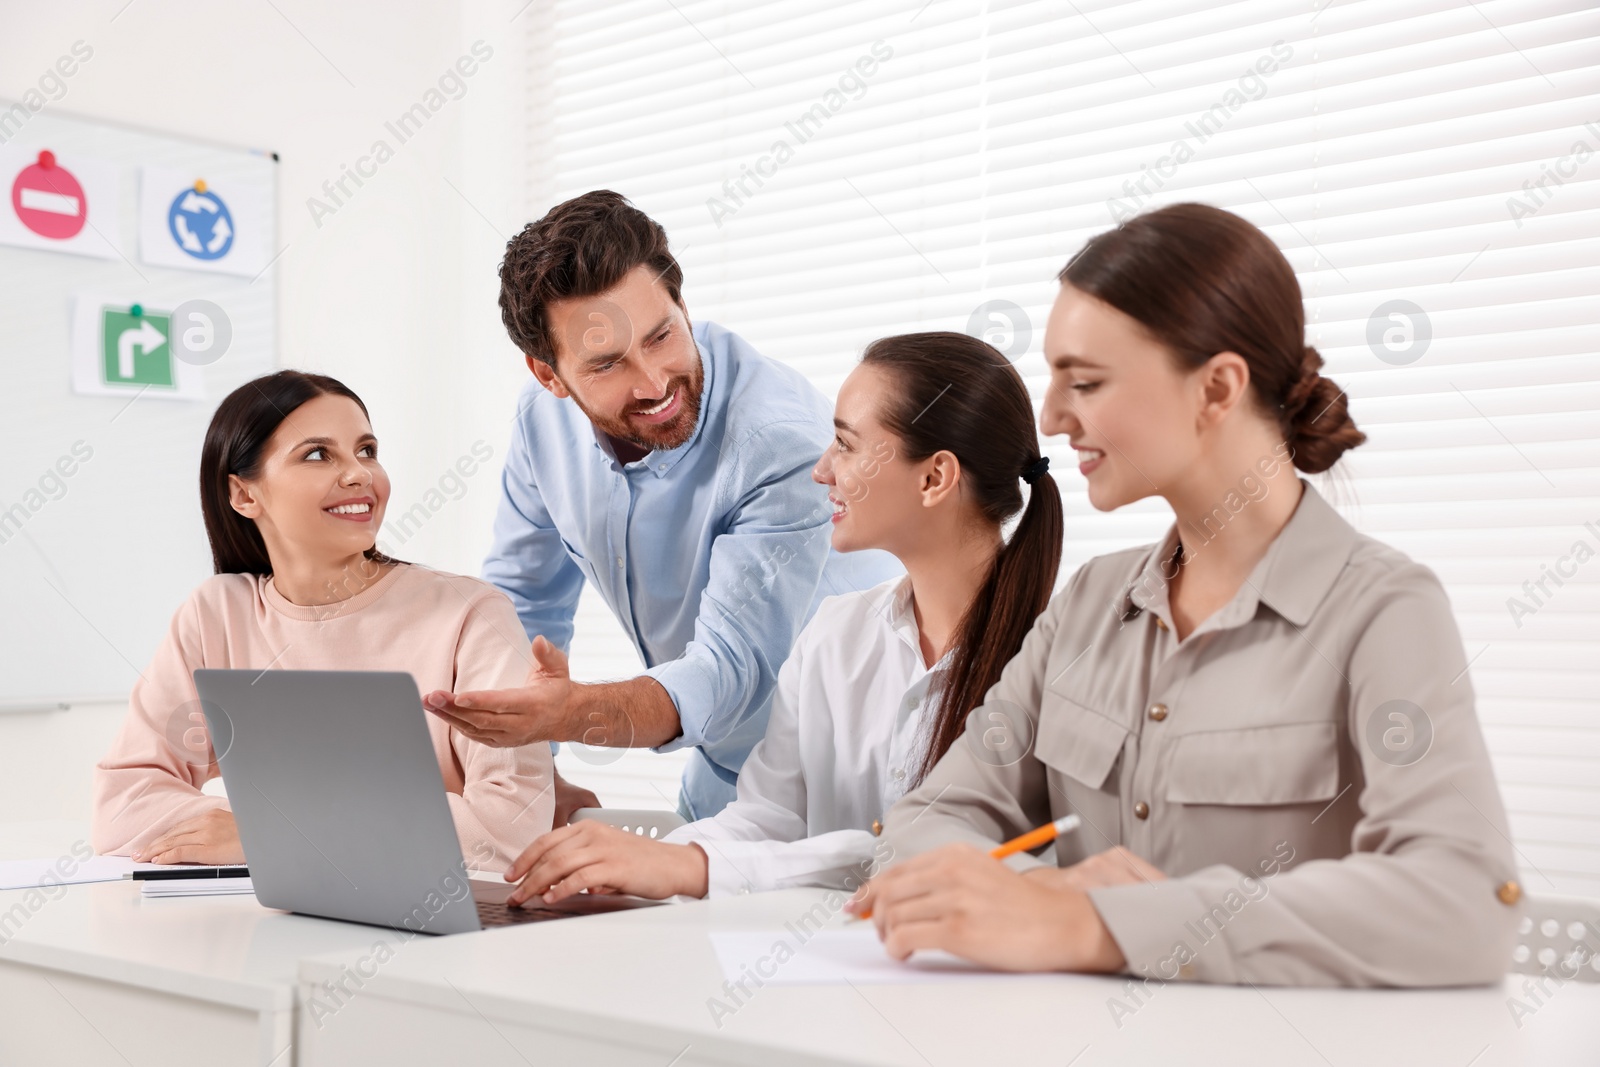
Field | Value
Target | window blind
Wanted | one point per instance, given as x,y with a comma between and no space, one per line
834,172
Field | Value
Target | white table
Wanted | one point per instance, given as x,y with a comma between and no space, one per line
633,988
96,974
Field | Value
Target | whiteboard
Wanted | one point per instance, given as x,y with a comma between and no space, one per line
90,579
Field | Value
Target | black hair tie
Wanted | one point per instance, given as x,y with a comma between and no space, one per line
1031,472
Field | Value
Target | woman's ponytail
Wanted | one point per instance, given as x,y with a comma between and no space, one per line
1019,587
987,422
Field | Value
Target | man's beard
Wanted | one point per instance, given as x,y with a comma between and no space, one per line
664,436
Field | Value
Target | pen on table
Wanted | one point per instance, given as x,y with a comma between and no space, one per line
195,872
1024,842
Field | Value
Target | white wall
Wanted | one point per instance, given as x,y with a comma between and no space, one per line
394,293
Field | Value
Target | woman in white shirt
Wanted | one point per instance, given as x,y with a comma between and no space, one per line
934,438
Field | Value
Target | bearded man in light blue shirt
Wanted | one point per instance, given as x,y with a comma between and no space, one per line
669,464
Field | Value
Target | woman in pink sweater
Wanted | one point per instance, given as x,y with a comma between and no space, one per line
293,497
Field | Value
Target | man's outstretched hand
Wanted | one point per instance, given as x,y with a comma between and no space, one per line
507,718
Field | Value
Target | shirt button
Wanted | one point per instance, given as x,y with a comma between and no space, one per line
619,561
1509,892
898,774
1142,810
1158,712
661,467
1161,624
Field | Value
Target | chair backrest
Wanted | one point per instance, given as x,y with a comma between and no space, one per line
641,821
1559,936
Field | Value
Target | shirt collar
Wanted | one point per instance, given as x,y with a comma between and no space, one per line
902,619
1292,578
661,461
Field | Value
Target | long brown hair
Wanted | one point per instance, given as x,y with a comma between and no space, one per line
1203,280
241,427
956,394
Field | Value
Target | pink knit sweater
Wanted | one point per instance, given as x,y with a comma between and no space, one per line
449,631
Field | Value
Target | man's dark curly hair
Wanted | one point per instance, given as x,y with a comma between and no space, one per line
581,248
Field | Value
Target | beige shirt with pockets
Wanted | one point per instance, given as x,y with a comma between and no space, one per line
1306,767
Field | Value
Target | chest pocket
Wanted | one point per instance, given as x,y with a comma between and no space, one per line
1292,763
582,561
1077,740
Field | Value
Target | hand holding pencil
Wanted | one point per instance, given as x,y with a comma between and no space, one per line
1027,842
957,899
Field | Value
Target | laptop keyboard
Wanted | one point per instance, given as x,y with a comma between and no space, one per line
493,911
504,915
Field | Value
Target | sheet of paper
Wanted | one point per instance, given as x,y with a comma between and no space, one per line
196,887
70,870
833,956
223,227
118,353
73,205
65,870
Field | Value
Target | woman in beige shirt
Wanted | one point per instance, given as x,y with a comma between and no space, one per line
1265,721
293,496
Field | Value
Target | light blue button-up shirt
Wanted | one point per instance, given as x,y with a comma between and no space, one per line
712,555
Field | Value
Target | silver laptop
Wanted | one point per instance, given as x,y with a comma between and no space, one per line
341,808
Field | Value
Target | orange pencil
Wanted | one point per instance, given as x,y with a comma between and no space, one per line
1024,843
1034,838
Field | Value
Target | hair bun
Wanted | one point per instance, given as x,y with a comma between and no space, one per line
1299,396
1316,418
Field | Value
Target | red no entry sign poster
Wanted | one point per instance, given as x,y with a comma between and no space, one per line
60,201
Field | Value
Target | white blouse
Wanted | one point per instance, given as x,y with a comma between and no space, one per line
844,740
